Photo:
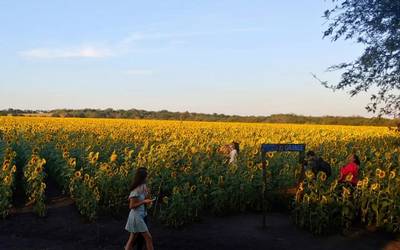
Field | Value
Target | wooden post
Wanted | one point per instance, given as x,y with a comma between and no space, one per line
300,148
264,175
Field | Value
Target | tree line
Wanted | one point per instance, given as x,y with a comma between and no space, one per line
190,116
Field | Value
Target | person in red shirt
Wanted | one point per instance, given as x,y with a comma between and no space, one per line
351,168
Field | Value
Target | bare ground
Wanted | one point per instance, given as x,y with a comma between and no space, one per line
64,228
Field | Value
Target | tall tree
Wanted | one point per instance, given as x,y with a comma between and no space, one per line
376,25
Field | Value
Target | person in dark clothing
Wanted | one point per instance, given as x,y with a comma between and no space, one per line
317,164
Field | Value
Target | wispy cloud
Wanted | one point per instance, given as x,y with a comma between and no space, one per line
141,36
49,53
129,44
139,72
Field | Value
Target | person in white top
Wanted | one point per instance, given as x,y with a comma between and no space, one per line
234,152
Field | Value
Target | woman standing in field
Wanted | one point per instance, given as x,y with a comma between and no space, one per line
137,200
231,151
349,173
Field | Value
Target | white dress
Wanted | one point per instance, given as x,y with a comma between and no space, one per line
135,223
233,156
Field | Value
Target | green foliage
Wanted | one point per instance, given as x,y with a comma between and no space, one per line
375,25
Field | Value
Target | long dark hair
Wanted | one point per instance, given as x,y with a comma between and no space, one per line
139,178
356,159
236,146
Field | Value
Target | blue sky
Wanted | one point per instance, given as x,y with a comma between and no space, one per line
224,56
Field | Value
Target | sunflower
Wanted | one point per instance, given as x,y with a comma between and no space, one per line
322,176
360,184
65,154
309,174
380,174
14,169
91,183
364,158
5,167
375,186
7,180
38,169
333,185
113,157
345,193
193,188
78,174
392,175
349,177
72,162
175,190
270,154
173,175
365,182
86,177
96,156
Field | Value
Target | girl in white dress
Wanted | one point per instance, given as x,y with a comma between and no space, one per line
137,200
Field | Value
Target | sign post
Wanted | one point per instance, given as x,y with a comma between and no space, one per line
278,148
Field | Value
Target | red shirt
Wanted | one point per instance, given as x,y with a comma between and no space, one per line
350,168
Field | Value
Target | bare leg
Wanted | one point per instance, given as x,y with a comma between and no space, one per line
149,240
129,244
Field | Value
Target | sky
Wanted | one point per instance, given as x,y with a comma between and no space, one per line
212,56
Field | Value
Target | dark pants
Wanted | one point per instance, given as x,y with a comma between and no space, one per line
140,243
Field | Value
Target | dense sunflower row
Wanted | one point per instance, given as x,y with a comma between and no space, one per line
93,161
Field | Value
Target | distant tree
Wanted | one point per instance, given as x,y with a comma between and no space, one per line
376,25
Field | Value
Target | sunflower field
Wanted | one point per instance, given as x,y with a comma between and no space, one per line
93,162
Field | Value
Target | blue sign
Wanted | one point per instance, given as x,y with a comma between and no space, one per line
283,147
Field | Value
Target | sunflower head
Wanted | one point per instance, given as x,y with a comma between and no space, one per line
38,169
113,157
322,176
349,177
5,167
309,174
382,174
345,193
360,184
392,175
375,186
7,180
78,174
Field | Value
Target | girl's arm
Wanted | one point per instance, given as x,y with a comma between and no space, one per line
135,202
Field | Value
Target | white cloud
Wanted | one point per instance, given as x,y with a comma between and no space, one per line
129,44
83,52
139,72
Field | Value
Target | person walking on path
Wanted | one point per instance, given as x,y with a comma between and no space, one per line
136,224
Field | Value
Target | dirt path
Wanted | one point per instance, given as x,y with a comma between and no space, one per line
65,229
